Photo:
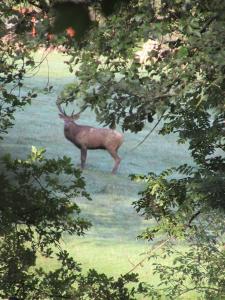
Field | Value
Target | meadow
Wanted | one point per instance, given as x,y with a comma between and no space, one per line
110,245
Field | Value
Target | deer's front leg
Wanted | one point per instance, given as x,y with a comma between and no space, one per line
83,157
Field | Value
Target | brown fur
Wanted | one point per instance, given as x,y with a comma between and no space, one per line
91,138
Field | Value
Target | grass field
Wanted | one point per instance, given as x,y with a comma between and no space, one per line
111,245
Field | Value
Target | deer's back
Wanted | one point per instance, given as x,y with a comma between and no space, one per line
93,138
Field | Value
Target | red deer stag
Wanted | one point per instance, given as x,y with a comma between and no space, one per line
91,138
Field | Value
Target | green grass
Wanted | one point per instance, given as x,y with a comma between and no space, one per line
110,246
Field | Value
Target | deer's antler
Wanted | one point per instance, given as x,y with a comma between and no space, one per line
73,115
58,103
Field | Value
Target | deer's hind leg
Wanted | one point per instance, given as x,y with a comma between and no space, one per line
116,158
83,156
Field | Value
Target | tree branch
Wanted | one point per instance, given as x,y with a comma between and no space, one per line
147,135
42,6
210,20
148,253
193,217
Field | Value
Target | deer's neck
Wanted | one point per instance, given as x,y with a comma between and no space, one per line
70,129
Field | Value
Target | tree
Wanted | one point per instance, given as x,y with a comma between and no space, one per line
167,66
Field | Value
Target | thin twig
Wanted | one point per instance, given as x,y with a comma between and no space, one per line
163,96
43,58
47,84
131,262
43,7
193,217
148,253
210,20
150,132
201,288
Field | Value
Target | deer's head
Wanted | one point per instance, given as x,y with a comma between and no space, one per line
66,118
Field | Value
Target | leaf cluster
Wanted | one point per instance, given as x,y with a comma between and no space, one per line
37,207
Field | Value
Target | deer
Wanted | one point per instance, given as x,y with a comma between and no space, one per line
87,137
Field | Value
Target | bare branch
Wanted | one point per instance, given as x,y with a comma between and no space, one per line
150,132
148,253
210,20
193,217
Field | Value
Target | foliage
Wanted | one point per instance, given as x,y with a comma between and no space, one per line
190,209
13,68
162,67
168,65
98,286
37,207
16,60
